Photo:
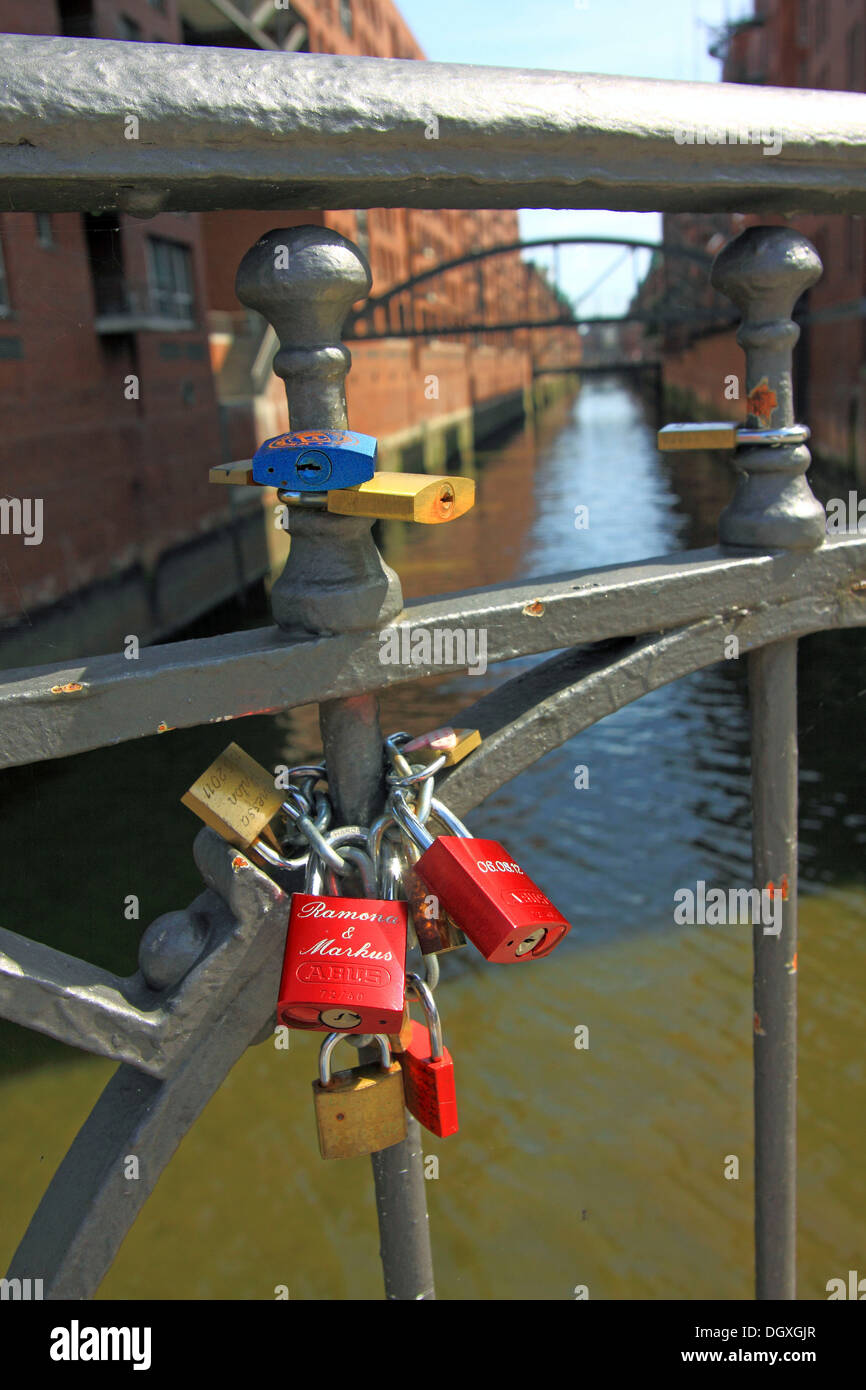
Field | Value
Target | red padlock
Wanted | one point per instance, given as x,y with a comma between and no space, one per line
479,885
428,1071
345,963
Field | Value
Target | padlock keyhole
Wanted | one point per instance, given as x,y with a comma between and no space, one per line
314,465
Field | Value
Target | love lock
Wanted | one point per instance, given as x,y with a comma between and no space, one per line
315,460
359,1111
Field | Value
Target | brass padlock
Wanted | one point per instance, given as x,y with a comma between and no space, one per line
721,434
450,744
237,798
362,1110
419,497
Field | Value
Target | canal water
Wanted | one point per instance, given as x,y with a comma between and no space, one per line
602,1166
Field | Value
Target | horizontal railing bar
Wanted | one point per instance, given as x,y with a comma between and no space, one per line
538,711
228,128
49,712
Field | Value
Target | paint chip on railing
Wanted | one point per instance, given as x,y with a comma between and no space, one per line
69,689
534,609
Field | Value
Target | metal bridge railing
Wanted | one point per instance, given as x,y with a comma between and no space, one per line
255,130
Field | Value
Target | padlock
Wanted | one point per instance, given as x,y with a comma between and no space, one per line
435,928
359,1111
479,885
453,745
712,435
345,962
416,497
315,460
428,1070
237,798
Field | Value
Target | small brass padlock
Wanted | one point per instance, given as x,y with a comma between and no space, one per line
237,798
362,1110
451,745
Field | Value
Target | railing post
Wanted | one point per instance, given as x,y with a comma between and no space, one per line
764,271
304,280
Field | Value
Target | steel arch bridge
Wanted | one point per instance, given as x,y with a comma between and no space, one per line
393,312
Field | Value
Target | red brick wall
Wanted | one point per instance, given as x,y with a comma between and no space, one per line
121,479
23,17
227,236
702,369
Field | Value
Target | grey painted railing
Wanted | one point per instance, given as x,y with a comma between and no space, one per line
227,129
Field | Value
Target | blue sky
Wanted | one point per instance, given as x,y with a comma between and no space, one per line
632,38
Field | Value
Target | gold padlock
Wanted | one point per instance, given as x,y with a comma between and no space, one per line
237,798
451,744
706,434
419,497
436,931
362,1110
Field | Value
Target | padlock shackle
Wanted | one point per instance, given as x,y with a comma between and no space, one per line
364,864
414,829
402,765
448,818
387,856
330,1042
424,995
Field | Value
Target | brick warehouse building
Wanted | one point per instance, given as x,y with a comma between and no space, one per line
130,328
789,43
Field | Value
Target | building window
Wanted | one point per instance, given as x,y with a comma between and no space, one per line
158,5
803,23
127,29
44,230
821,22
5,306
346,16
170,279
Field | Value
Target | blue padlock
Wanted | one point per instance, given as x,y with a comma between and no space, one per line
315,460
